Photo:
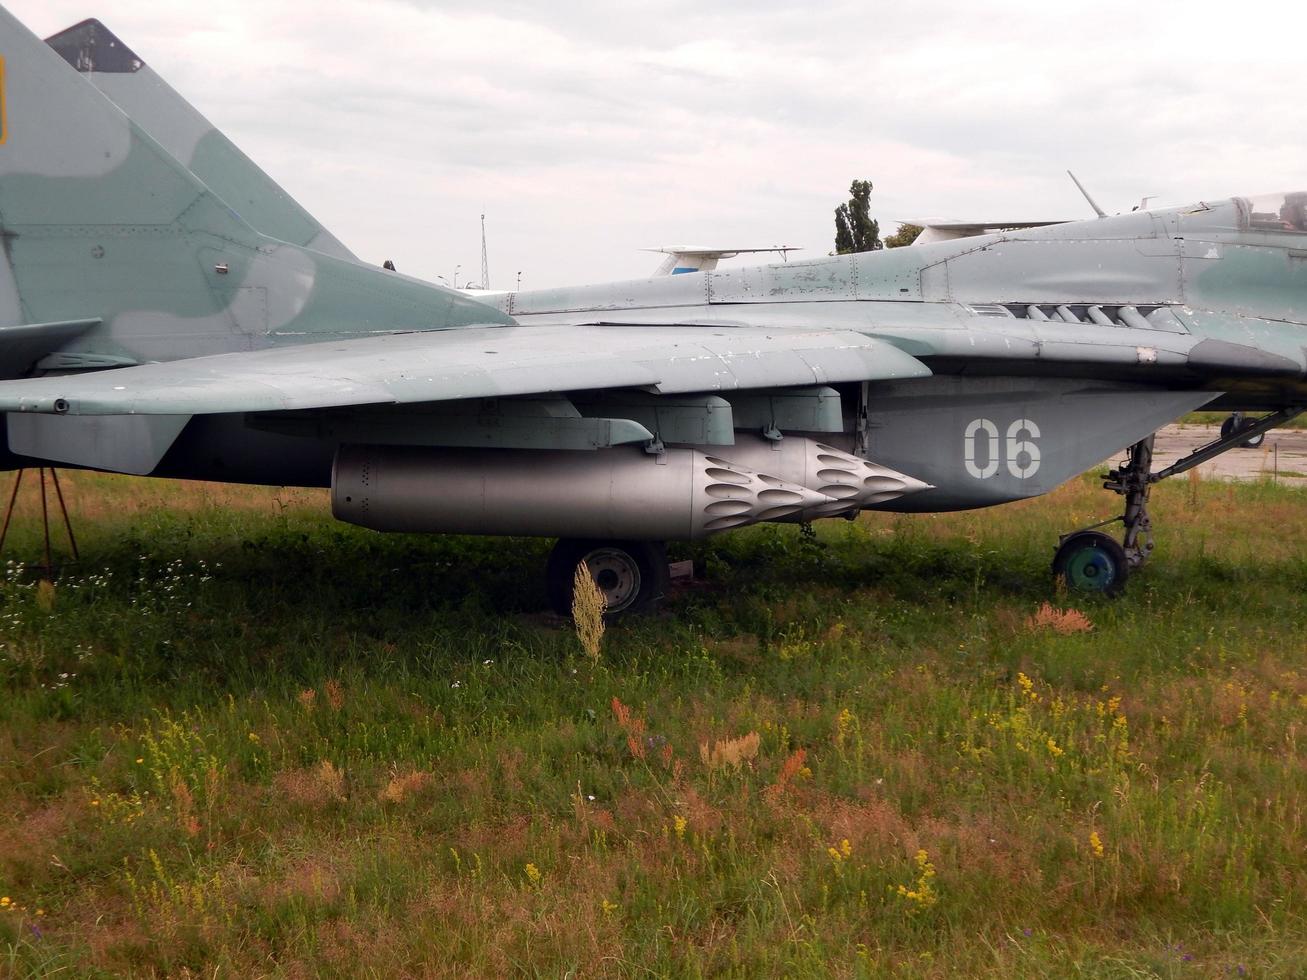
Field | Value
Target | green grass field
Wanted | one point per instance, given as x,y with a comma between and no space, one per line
240,740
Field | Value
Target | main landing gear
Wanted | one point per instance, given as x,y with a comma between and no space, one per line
1090,560
632,575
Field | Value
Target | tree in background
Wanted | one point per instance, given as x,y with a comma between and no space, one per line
906,235
855,229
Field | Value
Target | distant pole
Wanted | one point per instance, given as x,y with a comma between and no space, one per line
485,264
519,279
456,268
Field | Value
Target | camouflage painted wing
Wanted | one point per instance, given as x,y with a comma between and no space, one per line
470,362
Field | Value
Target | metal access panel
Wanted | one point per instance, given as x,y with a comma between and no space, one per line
815,409
698,419
491,423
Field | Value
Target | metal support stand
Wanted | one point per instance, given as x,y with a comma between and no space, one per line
48,568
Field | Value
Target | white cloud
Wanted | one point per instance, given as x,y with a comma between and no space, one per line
587,130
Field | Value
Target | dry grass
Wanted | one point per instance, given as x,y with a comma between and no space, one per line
1063,621
313,788
405,786
730,752
588,605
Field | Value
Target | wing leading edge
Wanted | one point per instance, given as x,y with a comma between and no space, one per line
471,362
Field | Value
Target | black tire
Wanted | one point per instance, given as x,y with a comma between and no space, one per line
1092,562
631,574
1227,430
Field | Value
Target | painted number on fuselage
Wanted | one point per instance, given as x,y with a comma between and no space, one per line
983,454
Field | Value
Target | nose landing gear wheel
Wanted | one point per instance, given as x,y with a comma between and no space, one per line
632,575
1235,422
1092,562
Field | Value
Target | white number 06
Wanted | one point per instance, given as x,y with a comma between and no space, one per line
1020,442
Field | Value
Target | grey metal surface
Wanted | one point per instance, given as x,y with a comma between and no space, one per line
980,442
614,493
495,423
850,483
118,443
469,363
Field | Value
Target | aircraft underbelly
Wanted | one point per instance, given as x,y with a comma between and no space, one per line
986,441
224,449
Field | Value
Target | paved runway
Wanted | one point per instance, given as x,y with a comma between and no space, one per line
1284,453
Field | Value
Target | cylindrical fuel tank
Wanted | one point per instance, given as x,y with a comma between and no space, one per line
849,482
620,493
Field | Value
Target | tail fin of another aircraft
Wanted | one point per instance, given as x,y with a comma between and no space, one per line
99,222
150,102
681,259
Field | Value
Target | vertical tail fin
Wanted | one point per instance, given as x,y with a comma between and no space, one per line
82,190
150,102
98,220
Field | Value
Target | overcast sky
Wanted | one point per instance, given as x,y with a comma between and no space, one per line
588,130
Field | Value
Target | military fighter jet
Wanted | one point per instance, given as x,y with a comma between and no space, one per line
166,310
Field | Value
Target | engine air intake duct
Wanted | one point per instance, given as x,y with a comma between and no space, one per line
621,493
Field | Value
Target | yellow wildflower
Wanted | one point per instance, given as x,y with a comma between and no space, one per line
678,824
1096,843
608,907
922,894
841,852
1053,748
844,722
533,874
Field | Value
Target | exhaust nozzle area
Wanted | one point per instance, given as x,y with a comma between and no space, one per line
620,493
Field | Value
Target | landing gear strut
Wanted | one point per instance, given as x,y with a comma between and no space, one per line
632,575
1090,560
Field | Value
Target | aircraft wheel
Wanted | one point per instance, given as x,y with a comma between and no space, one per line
1228,427
1091,561
632,575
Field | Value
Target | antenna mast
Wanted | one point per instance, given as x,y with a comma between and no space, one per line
1092,203
485,264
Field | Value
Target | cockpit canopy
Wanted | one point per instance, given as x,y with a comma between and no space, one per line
1275,212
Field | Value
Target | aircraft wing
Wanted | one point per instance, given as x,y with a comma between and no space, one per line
470,362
